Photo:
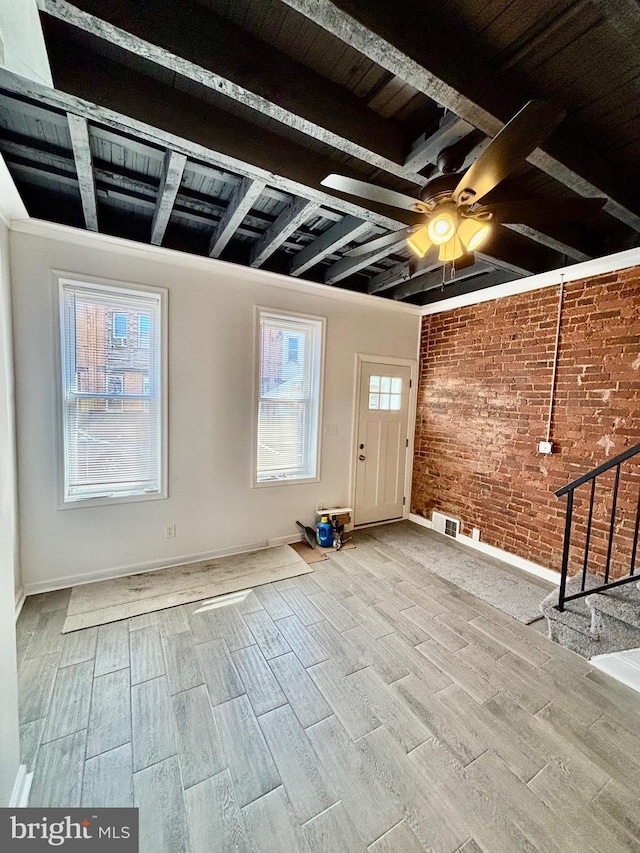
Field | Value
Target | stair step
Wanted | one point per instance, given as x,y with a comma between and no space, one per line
599,623
621,603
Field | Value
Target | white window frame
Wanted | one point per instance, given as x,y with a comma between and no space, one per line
60,280
318,383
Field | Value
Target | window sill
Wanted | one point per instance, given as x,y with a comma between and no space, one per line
284,481
110,500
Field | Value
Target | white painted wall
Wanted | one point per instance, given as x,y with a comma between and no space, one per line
211,393
9,565
22,48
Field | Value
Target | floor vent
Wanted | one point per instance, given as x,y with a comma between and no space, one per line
445,524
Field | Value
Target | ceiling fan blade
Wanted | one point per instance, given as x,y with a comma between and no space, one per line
370,192
539,211
517,139
381,242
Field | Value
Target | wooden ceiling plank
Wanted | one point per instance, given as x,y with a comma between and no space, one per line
349,228
464,96
425,150
26,108
288,221
348,266
349,126
244,197
79,130
172,172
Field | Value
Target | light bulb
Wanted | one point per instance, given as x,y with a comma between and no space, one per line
419,241
442,227
472,233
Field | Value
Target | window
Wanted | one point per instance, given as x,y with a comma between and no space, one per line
119,334
385,393
115,388
144,330
113,420
290,361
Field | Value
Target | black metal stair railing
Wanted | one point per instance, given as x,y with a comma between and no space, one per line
569,491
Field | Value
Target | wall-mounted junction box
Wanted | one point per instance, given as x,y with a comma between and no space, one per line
545,447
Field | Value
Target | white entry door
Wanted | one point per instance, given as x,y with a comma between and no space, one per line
381,449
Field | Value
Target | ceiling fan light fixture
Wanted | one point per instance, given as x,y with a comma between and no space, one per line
473,233
419,241
452,250
442,227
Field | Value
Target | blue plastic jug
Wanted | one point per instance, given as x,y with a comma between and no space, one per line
324,533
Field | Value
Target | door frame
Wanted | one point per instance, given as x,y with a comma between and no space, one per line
412,364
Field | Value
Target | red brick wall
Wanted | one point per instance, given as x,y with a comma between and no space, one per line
483,402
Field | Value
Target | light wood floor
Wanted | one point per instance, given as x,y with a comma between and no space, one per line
370,705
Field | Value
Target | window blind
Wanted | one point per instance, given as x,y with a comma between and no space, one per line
288,397
111,392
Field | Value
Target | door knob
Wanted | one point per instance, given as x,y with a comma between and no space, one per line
361,457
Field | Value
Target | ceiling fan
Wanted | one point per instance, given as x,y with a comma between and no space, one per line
455,219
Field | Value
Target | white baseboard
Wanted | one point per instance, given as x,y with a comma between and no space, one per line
284,540
21,789
20,599
623,666
136,569
498,554
420,519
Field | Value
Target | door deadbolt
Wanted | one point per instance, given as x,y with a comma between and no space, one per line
362,447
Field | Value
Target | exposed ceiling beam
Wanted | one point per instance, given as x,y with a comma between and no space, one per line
335,237
172,171
515,270
166,113
425,150
402,273
110,184
348,266
113,188
459,286
422,57
243,198
432,278
202,47
551,242
289,221
79,130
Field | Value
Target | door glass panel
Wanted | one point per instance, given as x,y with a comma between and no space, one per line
385,393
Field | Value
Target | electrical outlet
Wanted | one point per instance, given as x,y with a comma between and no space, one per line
170,531
475,534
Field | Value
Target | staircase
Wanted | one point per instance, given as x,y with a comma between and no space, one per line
598,623
595,614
